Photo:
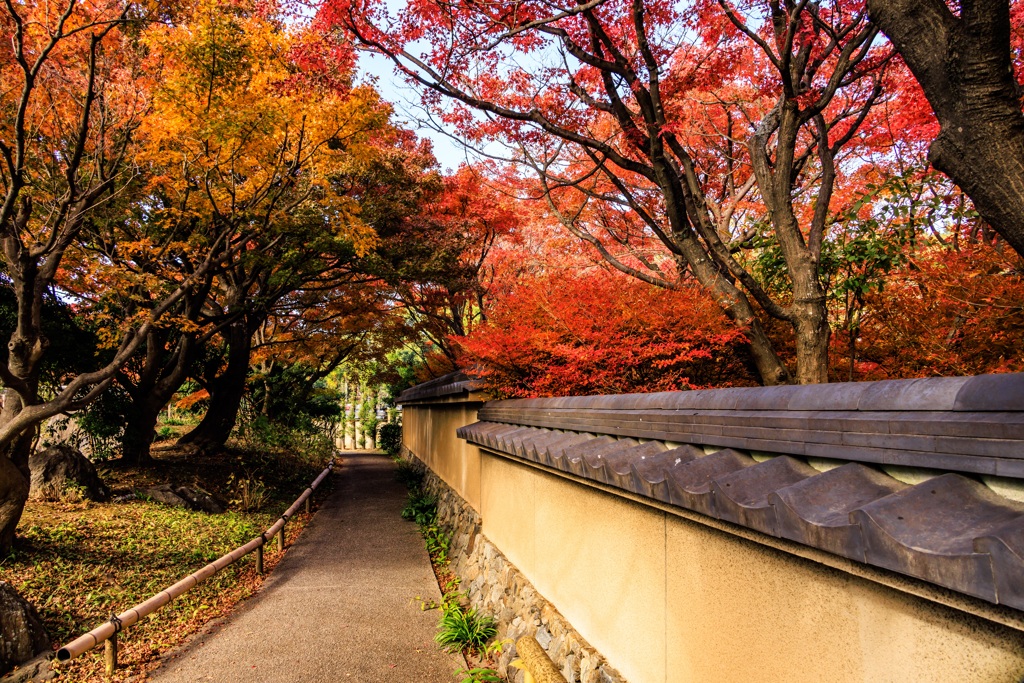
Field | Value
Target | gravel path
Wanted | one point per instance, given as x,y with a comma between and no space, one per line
342,604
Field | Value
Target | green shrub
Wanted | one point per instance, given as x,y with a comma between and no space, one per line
421,508
250,494
460,630
409,475
437,542
391,438
257,433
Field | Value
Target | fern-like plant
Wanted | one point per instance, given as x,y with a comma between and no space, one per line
460,630
409,475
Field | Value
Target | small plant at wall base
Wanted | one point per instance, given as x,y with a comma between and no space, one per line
421,508
460,629
409,475
479,675
463,629
437,542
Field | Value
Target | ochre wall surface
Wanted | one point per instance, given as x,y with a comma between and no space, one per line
668,599
429,432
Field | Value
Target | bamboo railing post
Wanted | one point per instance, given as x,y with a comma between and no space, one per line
110,655
280,538
308,504
110,648
259,559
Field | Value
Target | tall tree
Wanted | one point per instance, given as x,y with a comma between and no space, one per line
252,123
614,101
70,104
433,252
966,66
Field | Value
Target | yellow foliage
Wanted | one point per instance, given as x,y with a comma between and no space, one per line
238,132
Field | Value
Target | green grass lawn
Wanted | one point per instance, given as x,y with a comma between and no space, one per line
78,563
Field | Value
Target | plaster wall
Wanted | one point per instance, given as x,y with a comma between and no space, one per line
666,599
429,432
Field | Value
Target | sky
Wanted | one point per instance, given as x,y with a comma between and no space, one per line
394,89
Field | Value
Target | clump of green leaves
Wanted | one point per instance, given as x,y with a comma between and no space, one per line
463,629
250,493
460,629
421,508
391,438
437,542
479,675
409,475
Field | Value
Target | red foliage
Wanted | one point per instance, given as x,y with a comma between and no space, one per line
597,331
949,312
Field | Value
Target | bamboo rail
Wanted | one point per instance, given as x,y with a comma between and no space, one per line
535,662
107,632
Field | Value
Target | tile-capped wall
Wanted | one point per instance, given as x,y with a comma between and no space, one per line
496,587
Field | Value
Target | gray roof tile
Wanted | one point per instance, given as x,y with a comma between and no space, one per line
742,496
816,511
951,529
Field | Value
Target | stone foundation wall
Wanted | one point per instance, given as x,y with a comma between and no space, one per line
494,586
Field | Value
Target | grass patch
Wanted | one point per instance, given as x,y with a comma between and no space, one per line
80,563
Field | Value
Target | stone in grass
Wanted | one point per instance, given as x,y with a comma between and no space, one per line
198,499
22,635
38,669
62,473
164,493
192,498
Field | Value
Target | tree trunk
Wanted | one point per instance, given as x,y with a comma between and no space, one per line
965,68
738,308
226,393
809,312
14,475
812,336
162,374
371,435
13,495
140,430
357,417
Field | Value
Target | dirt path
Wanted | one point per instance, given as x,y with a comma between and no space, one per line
342,605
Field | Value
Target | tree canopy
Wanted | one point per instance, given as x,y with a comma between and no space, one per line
206,204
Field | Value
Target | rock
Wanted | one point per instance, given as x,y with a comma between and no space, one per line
63,473
569,668
198,499
22,635
588,672
543,637
165,494
38,669
192,498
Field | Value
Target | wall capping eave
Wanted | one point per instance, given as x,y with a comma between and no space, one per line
998,614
